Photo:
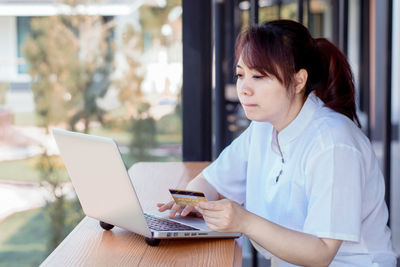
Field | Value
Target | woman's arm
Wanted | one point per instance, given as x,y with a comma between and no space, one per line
199,183
291,246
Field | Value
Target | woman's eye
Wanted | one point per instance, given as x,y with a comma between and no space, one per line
238,76
258,76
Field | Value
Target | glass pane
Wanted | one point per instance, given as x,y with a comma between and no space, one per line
268,13
23,32
319,19
117,75
395,145
289,11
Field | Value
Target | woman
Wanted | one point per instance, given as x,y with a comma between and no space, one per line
309,179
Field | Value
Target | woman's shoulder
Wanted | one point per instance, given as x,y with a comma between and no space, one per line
329,128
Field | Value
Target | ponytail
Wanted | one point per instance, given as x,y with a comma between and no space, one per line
336,86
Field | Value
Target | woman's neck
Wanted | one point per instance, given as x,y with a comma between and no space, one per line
295,107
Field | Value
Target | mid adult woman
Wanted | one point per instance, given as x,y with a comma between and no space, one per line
309,179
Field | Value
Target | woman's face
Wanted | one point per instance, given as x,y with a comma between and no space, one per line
263,98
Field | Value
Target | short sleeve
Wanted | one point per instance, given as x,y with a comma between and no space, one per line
227,174
334,182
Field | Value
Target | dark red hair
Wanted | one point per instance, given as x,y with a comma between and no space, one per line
282,47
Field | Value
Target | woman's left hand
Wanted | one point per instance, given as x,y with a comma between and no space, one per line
223,215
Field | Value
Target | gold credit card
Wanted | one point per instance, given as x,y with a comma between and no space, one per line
186,197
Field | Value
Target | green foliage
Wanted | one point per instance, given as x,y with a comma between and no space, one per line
153,17
56,216
129,86
70,61
140,123
51,168
23,238
144,133
170,124
24,235
25,170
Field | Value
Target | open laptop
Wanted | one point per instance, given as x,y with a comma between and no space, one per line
106,192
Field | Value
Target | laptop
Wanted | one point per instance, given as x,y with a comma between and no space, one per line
106,192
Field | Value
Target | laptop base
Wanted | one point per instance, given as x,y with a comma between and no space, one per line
152,241
106,226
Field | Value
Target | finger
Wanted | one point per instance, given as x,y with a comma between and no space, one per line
214,214
199,210
166,206
210,213
212,205
187,210
174,210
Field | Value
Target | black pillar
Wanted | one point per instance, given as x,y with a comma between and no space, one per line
387,131
254,21
308,15
197,80
340,18
300,11
343,25
364,103
232,29
220,110
335,21
253,12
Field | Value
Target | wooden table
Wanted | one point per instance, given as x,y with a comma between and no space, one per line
89,245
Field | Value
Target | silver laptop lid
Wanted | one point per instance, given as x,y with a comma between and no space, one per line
101,180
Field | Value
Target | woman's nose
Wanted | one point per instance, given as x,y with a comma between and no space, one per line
244,88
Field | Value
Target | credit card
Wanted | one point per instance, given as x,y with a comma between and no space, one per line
186,197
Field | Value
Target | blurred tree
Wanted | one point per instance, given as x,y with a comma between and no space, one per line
144,133
51,168
70,60
139,120
142,124
129,85
152,18
170,124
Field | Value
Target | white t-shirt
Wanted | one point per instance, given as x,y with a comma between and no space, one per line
330,183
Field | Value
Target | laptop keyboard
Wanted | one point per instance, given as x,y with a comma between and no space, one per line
160,224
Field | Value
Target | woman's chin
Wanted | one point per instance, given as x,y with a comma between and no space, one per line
253,117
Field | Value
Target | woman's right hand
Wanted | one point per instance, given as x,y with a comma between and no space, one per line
175,208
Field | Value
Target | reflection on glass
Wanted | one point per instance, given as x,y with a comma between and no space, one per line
268,13
117,73
395,143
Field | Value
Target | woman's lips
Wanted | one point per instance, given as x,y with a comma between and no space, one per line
250,105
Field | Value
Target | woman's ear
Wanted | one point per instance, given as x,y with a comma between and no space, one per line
300,80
